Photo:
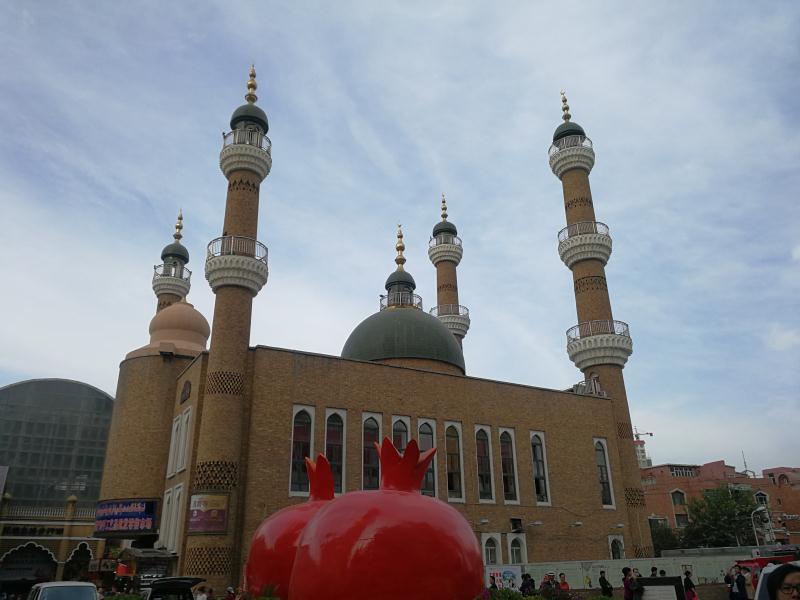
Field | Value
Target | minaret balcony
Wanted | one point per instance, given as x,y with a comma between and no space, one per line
445,247
571,152
453,316
400,300
247,149
171,279
599,343
584,240
237,261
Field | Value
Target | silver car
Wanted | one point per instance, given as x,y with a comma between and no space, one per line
63,590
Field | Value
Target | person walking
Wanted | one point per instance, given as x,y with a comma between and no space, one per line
688,586
528,586
627,575
606,589
562,582
653,571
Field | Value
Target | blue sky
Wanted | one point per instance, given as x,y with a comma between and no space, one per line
112,115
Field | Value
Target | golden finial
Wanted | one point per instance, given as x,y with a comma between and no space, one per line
565,107
400,246
178,226
444,208
252,86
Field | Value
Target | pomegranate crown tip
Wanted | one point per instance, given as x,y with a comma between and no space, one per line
320,478
403,471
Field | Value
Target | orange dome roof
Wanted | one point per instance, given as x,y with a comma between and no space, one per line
182,325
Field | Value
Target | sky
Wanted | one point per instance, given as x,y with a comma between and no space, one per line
112,115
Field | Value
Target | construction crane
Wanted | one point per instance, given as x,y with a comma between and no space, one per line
637,433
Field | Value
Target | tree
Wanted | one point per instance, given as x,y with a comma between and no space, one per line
720,518
664,537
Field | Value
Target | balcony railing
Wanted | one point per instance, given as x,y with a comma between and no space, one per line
170,270
571,141
581,228
237,246
445,238
247,136
590,328
450,309
400,299
589,387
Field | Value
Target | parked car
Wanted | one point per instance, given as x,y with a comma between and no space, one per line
63,590
170,588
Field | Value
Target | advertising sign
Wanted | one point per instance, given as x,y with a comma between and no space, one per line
126,518
208,513
506,577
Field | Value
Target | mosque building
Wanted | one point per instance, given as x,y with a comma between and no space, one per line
205,443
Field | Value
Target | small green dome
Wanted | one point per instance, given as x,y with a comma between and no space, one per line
403,333
250,112
175,250
444,227
402,278
566,129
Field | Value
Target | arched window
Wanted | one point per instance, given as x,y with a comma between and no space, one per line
490,551
400,435
602,473
484,465
507,465
426,443
453,451
334,445
372,469
539,477
616,549
516,552
678,498
301,448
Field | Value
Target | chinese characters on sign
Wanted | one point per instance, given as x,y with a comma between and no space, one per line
126,516
208,513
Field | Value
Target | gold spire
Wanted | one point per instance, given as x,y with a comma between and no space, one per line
565,107
250,96
400,246
444,208
178,226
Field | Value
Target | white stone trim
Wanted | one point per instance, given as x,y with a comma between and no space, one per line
432,424
442,252
174,445
600,349
457,324
171,285
621,541
343,414
585,246
488,430
311,410
78,547
574,157
50,552
510,432
236,270
407,422
183,445
485,537
235,157
541,435
175,518
457,426
510,537
604,443
379,419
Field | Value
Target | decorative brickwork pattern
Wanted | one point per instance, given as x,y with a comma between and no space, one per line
225,382
242,185
642,551
586,284
215,560
634,497
624,431
575,202
216,475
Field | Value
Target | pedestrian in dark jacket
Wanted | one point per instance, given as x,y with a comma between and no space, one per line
605,587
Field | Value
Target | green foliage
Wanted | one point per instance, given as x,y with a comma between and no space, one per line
664,537
506,594
127,597
720,518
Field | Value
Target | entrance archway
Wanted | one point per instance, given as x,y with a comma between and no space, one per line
30,563
77,567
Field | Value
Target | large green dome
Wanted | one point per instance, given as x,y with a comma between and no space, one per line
566,129
403,333
250,112
175,250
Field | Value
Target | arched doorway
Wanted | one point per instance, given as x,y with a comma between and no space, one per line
27,564
617,550
77,566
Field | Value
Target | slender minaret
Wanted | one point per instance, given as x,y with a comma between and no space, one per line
236,269
445,251
171,279
599,346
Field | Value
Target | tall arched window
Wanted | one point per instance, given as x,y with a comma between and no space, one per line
453,451
602,473
400,435
426,443
507,465
372,469
539,477
334,446
484,465
616,549
516,552
490,551
678,498
301,448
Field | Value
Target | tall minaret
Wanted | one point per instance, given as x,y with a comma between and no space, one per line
598,345
445,251
171,279
236,269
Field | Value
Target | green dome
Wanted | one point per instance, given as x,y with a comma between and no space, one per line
402,278
566,129
250,112
403,333
444,227
175,250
